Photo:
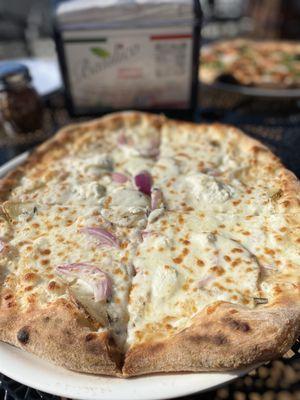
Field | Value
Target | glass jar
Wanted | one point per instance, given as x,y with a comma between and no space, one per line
21,108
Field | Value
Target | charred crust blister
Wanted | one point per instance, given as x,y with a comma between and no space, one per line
90,336
23,335
236,325
218,339
156,347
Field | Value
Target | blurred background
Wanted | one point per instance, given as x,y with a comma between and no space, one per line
26,25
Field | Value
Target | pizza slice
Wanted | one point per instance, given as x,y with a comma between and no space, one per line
217,168
83,163
213,292
65,280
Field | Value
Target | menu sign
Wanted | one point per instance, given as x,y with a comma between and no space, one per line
143,68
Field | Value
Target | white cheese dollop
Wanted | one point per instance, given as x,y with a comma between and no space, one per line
207,189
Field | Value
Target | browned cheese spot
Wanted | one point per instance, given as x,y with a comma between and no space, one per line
118,271
214,143
218,270
200,263
236,250
236,262
276,196
45,252
30,276
185,251
246,233
124,245
211,309
269,251
107,202
177,260
190,208
181,219
53,285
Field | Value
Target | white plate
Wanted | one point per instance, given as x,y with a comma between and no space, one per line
42,375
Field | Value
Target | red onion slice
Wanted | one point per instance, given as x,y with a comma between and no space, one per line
122,140
143,181
97,279
103,237
119,177
212,172
156,198
3,246
145,234
268,267
203,282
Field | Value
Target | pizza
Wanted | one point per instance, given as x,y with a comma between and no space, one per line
266,64
135,244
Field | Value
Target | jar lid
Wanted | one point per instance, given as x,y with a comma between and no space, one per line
11,72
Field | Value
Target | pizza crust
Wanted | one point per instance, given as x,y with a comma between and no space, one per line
224,336
62,334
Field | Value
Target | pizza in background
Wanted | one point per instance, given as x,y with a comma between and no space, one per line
265,64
